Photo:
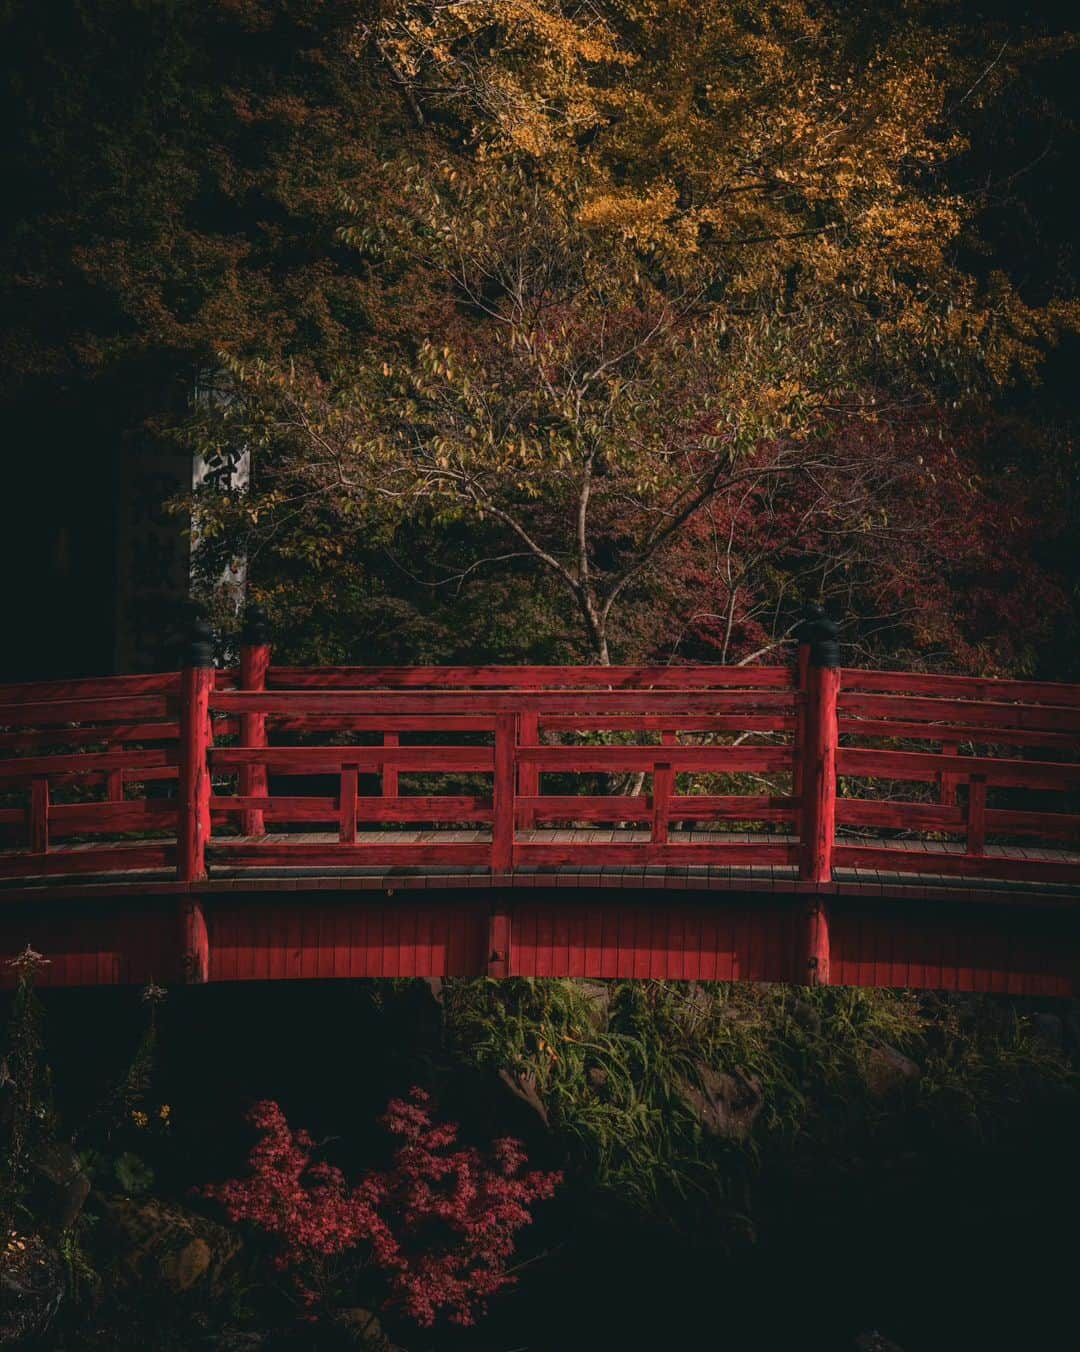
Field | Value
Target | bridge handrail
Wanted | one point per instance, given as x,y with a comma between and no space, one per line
815,718
674,676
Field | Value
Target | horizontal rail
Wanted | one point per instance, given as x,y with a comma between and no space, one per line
88,859
381,722
530,678
926,766
409,809
88,736
985,713
273,852
645,853
718,759
934,817
107,687
917,860
32,767
960,687
876,729
688,807
494,701
318,759
678,723
112,708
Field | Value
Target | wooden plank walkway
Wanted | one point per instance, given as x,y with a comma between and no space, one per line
228,875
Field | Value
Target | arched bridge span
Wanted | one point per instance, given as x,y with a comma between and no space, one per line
811,823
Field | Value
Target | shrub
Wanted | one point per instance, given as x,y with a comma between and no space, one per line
438,1227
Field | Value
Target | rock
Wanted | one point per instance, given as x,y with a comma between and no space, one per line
806,1016
58,1186
184,1267
889,1071
362,1329
598,994
160,1244
1050,1029
522,1084
597,1078
727,1104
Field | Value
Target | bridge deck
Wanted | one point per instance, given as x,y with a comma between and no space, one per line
225,875
707,922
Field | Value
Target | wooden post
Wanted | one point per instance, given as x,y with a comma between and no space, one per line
254,664
947,782
389,781
816,922
976,816
194,943
502,827
498,961
350,776
670,737
817,797
193,787
39,815
528,775
663,779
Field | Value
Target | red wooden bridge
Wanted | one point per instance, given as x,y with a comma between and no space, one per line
811,823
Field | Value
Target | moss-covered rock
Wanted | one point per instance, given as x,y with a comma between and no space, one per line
153,1243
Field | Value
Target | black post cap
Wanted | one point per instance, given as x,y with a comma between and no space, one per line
200,645
821,633
256,627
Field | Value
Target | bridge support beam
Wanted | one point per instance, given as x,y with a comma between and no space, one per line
498,946
814,954
194,965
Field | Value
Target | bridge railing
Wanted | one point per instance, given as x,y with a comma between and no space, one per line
515,763
804,768
1002,772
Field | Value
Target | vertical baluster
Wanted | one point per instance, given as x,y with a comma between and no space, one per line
976,815
947,781
663,779
529,775
39,815
390,772
350,777
254,665
502,829
670,737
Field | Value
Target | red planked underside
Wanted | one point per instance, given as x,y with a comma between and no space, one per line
572,932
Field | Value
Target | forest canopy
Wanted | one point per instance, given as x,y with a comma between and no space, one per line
613,330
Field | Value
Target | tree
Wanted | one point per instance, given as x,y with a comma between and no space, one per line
655,257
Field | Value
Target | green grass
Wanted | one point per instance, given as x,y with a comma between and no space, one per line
637,1140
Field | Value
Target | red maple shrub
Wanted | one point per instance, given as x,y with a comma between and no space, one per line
438,1226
